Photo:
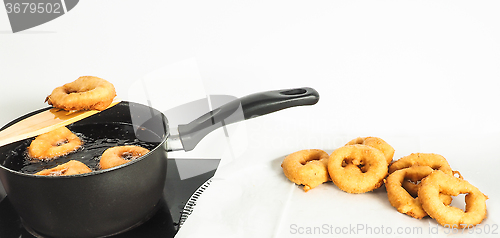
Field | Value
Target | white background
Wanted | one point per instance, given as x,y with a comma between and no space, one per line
422,75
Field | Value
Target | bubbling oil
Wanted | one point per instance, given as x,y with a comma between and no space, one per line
96,138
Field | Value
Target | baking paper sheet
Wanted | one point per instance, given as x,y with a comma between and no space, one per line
250,197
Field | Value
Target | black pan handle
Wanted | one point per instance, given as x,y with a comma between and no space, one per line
251,106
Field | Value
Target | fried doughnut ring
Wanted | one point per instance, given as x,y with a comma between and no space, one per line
119,155
55,143
306,167
357,168
69,168
439,182
85,93
401,199
434,161
412,183
376,143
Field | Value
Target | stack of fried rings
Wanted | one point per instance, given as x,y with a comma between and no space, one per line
418,185
432,195
434,161
401,199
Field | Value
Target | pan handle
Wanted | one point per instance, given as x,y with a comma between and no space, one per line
251,106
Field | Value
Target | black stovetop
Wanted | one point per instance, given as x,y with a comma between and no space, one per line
165,223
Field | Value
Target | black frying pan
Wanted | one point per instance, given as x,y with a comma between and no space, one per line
107,202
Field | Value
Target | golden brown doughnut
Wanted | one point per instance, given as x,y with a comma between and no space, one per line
306,167
434,161
85,93
55,143
401,199
70,168
376,143
357,168
119,155
438,182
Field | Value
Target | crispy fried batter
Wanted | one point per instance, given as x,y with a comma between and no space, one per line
402,199
85,93
357,168
434,161
439,182
376,143
70,168
119,155
306,167
55,143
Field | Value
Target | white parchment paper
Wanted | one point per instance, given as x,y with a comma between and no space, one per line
250,197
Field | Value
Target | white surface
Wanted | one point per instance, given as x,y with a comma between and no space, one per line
422,75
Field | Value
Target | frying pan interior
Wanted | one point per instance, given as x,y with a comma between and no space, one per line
126,123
